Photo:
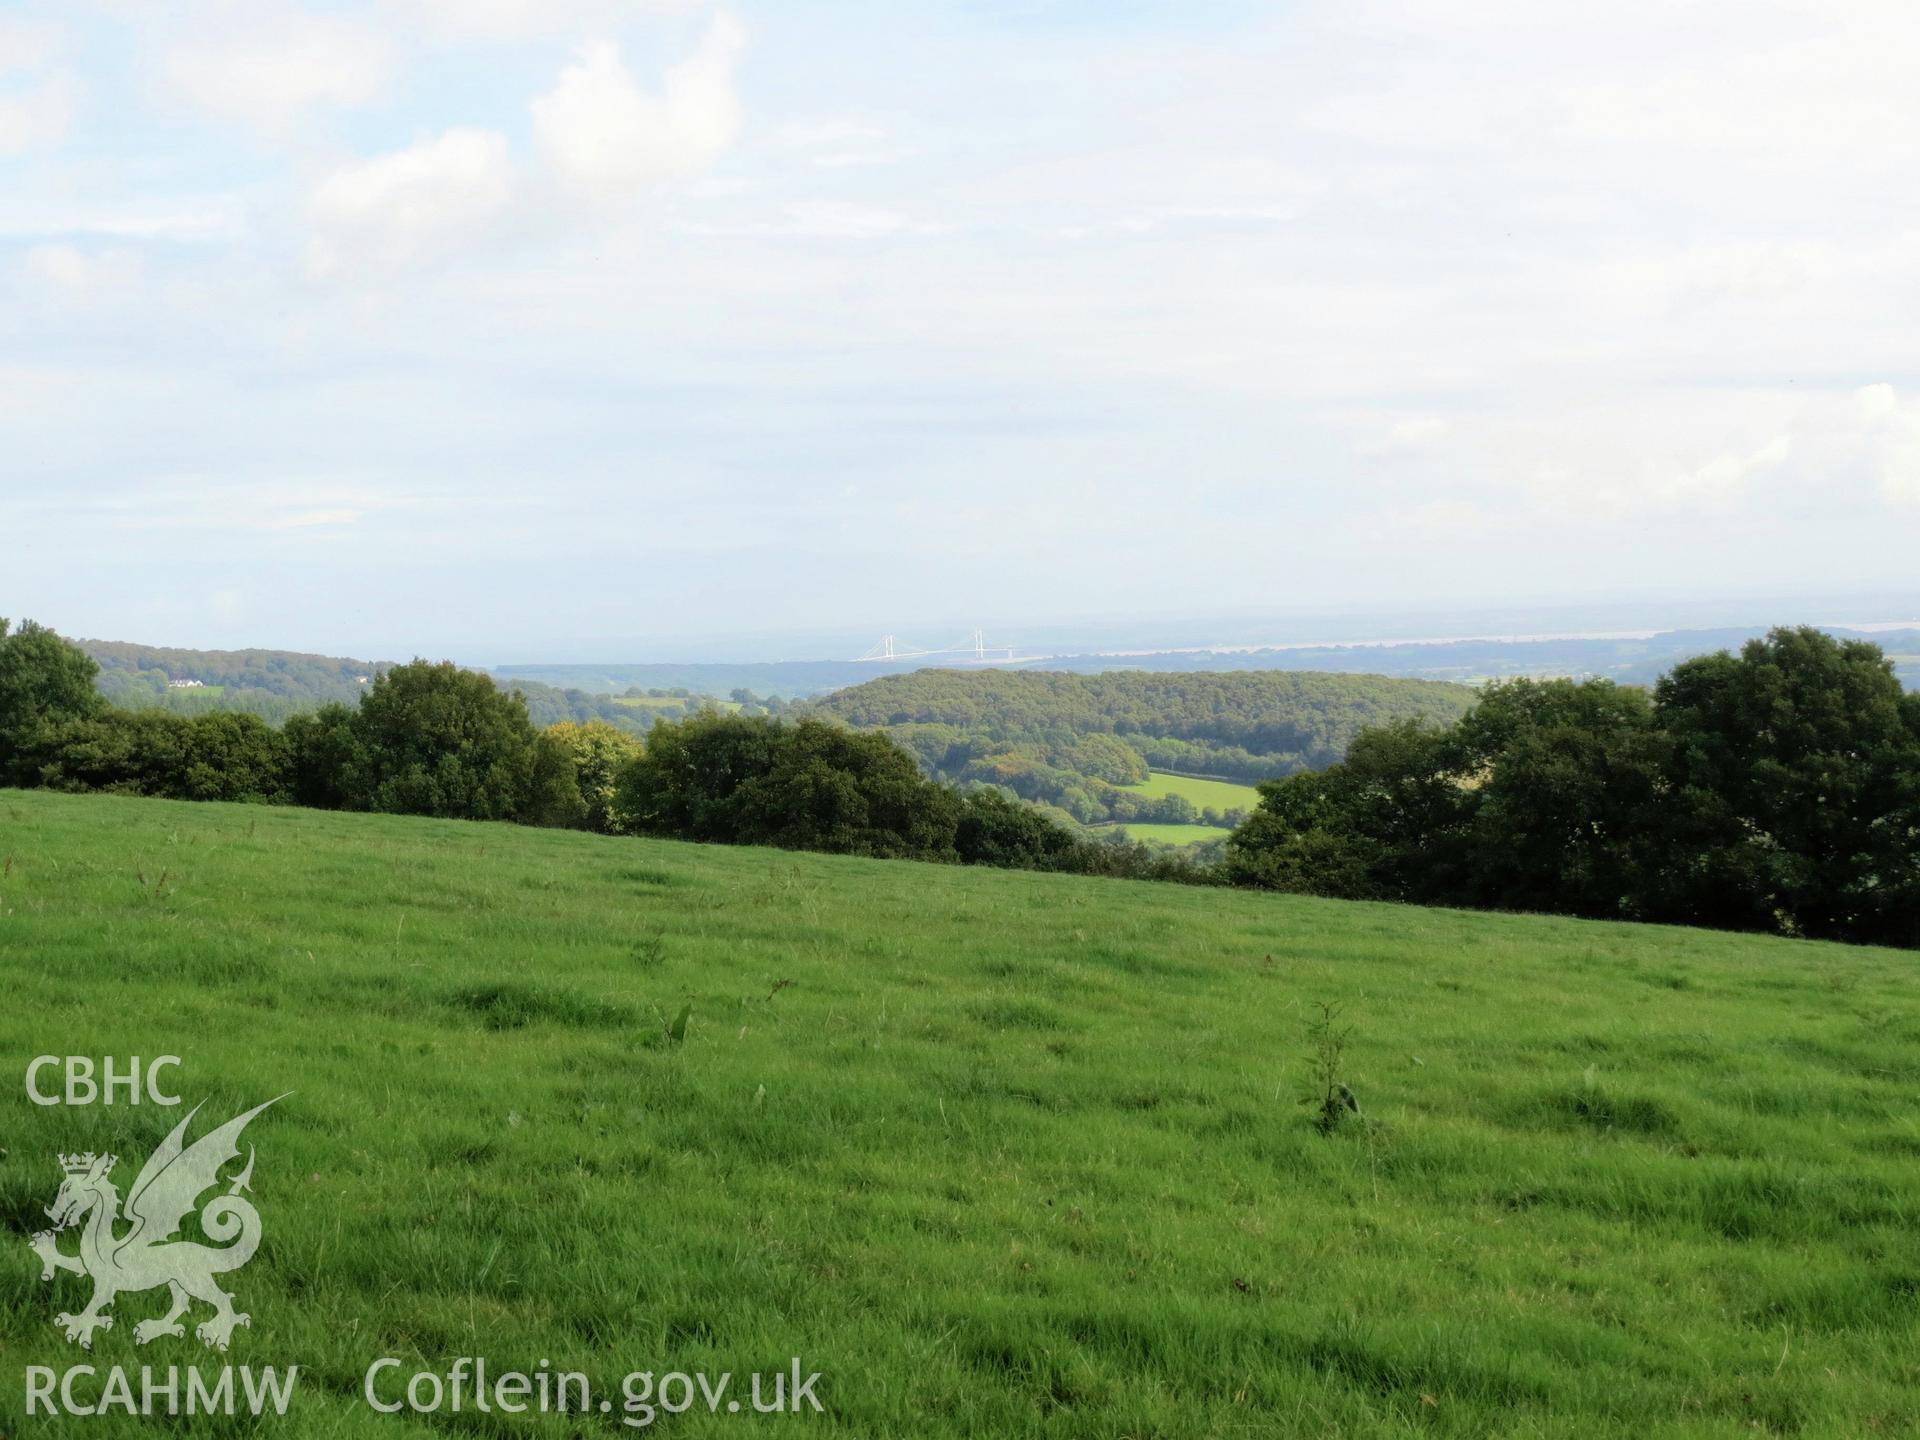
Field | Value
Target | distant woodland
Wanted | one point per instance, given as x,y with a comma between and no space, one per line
1072,741
276,685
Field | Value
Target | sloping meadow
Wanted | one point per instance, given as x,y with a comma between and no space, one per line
995,1153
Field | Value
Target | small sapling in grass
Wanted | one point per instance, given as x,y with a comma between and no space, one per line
677,1031
651,948
1330,1095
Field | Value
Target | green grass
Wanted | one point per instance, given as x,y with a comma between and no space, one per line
1222,795
647,702
1000,1154
1166,834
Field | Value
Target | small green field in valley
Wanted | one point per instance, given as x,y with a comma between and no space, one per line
1164,834
994,1152
1221,795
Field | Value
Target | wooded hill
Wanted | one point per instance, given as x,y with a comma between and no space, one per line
1068,740
279,684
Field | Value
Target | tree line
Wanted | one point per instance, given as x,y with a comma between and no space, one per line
1774,790
437,740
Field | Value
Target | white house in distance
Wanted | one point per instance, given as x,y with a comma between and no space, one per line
185,684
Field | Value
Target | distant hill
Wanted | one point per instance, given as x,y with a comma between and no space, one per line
1633,660
790,679
1630,660
1085,743
271,683
277,684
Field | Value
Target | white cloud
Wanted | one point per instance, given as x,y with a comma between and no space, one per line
26,45
397,210
1724,478
1893,442
315,519
184,218
840,144
39,114
819,220
1900,471
606,137
269,68
1875,402
1635,461
521,19
60,265
1409,435
1445,520
291,505
83,274
600,132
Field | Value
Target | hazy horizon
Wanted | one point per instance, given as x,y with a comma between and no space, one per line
1065,636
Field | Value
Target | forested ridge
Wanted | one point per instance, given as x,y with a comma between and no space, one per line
1071,741
273,684
277,685
1250,725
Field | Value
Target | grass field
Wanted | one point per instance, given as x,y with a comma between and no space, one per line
1222,795
1166,834
999,1154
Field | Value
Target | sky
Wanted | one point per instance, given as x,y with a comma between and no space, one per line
525,329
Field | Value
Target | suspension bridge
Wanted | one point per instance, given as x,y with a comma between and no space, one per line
974,648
